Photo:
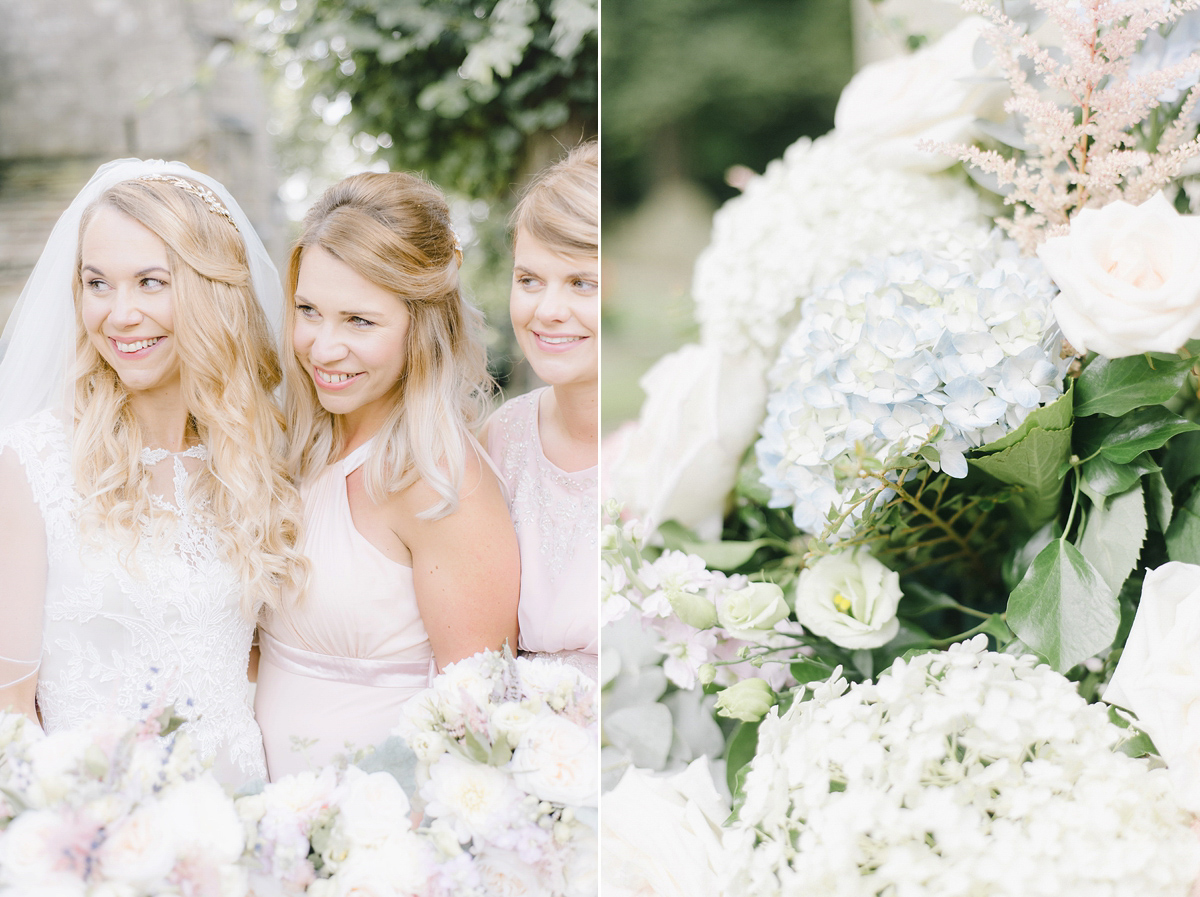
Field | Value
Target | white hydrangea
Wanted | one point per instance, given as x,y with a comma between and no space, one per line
813,214
959,772
894,349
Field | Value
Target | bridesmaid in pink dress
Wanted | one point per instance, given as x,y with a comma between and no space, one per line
545,442
414,559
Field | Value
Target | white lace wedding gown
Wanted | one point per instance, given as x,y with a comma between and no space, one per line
130,643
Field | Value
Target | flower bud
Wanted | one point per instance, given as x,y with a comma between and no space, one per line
759,606
706,674
748,700
696,610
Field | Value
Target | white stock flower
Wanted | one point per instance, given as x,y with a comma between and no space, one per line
662,836
1129,278
936,94
680,461
850,598
557,761
820,210
1158,675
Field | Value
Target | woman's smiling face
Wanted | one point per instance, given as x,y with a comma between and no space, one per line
350,335
555,309
128,302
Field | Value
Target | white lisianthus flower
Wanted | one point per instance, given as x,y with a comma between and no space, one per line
1158,675
752,609
479,800
662,836
850,598
936,94
556,761
1129,278
372,809
140,850
747,700
680,462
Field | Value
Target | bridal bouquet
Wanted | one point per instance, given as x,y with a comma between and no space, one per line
507,760
113,808
945,387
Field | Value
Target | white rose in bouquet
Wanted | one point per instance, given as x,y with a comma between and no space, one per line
505,875
203,822
37,851
935,94
1158,676
373,808
701,412
662,836
850,598
556,761
139,849
1129,278
477,800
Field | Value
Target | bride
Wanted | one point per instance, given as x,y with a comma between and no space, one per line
144,513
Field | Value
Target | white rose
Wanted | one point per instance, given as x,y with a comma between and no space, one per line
302,795
1129,278
204,822
557,761
935,94
373,809
140,849
701,412
850,598
28,855
400,864
511,719
476,800
1158,676
504,875
755,608
662,836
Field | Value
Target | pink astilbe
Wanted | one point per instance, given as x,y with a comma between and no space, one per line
1083,125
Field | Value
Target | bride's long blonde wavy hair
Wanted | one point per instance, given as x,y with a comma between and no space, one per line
228,370
393,229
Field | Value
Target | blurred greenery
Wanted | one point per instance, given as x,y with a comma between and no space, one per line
692,87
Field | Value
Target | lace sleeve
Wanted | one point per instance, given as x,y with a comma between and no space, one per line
23,586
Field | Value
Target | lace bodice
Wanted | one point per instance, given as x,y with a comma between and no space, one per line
556,515
132,635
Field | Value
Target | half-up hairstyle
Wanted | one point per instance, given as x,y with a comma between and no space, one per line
228,370
394,230
560,207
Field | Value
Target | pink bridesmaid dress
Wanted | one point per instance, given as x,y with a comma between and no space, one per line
556,514
337,666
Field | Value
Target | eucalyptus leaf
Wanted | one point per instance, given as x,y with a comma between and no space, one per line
1063,609
396,758
1112,540
1183,535
1115,386
1035,466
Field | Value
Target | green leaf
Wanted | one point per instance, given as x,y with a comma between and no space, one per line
1182,461
396,758
1183,535
1112,540
726,555
1159,504
1063,609
1115,386
1035,465
1019,558
1055,416
738,754
997,627
1103,476
1142,431
809,669
676,536
920,599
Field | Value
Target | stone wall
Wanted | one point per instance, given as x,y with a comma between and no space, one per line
86,81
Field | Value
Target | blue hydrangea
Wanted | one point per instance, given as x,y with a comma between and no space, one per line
893,350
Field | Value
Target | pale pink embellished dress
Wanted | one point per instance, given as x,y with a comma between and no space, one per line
556,514
337,666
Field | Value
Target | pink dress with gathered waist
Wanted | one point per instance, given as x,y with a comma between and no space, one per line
556,515
337,666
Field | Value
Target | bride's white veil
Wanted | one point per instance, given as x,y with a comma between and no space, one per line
37,351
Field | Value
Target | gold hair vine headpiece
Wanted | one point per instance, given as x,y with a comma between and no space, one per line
203,193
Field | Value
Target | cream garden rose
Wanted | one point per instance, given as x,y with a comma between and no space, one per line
680,460
850,598
935,94
1158,676
1129,278
556,760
